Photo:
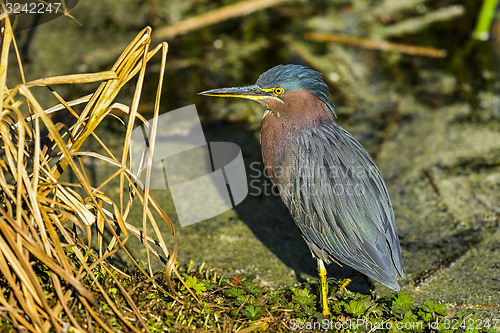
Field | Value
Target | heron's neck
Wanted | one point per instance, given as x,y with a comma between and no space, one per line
284,122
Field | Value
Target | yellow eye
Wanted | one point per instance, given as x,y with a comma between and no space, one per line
278,91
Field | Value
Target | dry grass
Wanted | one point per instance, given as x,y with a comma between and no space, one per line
48,223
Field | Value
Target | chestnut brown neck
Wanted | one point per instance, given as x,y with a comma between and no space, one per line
283,122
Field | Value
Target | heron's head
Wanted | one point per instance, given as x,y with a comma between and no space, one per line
273,85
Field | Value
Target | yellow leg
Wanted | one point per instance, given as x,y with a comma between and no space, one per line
324,287
345,284
348,280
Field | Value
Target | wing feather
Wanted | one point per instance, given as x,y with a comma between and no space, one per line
340,203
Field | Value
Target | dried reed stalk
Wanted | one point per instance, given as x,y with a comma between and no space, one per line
47,223
375,44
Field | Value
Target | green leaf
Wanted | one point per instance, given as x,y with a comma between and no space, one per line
252,287
434,308
252,312
199,287
235,292
355,308
402,303
303,297
191,281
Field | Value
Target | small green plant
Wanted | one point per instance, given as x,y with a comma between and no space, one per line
303,301
409,319
430,310
337,307
303,297
252,312
402,304
252,288
235,292
192,282
356,308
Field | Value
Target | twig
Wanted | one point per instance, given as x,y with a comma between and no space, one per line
389,7
191,24
349,86
376,44
472,306
215,16
416,24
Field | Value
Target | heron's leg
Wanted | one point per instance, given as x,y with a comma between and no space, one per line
370,284
348,280
324,287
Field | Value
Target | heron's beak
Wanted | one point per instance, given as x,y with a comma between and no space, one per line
253,92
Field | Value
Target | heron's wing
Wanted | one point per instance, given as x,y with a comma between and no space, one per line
340,203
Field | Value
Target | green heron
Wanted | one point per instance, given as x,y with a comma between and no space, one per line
328,181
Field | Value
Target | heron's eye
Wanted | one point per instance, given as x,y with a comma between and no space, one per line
278,91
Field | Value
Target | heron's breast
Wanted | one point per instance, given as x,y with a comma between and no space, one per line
278,148
281,126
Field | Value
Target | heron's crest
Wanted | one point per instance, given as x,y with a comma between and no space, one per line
294,77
